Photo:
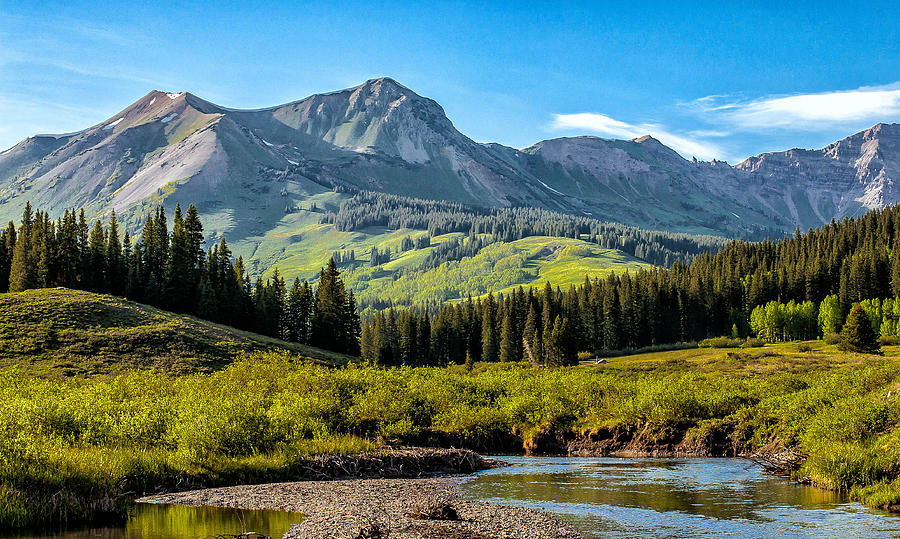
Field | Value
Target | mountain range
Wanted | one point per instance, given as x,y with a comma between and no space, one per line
247,169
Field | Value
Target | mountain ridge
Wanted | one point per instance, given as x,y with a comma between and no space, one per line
247,169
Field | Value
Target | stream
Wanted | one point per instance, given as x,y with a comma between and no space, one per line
602,497
670,497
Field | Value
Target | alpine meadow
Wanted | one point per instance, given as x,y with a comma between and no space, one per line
343,317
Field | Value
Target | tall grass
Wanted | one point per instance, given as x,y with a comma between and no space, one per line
70,449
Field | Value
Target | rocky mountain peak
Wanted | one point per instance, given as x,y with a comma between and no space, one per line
383,136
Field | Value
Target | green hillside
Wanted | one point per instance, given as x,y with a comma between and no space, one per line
301,245
66,332
499,267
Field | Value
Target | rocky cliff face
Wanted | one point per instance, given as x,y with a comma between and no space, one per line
852,175
245,169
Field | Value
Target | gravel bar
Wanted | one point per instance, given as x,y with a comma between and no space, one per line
351,508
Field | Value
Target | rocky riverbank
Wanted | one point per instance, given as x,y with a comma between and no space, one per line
398,508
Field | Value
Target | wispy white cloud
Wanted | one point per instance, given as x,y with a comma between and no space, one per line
805,111
685,144
30,115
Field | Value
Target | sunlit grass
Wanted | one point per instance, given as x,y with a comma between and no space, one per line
71,447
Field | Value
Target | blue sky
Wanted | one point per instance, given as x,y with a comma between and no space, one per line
722,79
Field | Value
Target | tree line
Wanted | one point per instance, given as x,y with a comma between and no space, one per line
777,289
825,270
171,270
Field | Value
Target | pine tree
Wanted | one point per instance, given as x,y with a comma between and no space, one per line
41,254
368,349
858,335
207,306
193,230
564,351
537,348
307,305
96,276
489,345
5,262
508,339
328,326
276,298
351,326
114,266
9,246
406,325
21,273
895,268
179,272
423,339
83,255
294,307
531,324
611,314
548,311
546,344
129,268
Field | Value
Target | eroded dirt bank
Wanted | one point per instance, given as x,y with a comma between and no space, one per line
674,439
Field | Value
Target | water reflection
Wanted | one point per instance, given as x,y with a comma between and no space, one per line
676,497
151,521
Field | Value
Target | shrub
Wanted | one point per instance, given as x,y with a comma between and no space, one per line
889,340
720,342
832,338
804,347
753,342
646,349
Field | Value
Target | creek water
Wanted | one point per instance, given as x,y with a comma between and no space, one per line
152,521
602,497
645,497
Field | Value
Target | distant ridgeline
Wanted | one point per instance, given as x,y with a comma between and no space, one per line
713,294
366,209
172,271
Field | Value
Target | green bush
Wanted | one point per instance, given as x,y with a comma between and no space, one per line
753,342
720,342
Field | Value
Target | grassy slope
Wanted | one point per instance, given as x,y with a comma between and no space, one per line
770,359
497,268
300,246
60,331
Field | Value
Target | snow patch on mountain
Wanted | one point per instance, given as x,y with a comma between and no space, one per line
550,188
110,125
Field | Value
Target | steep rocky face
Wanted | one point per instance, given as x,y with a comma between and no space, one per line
247,169
383,136
844,178
646,183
